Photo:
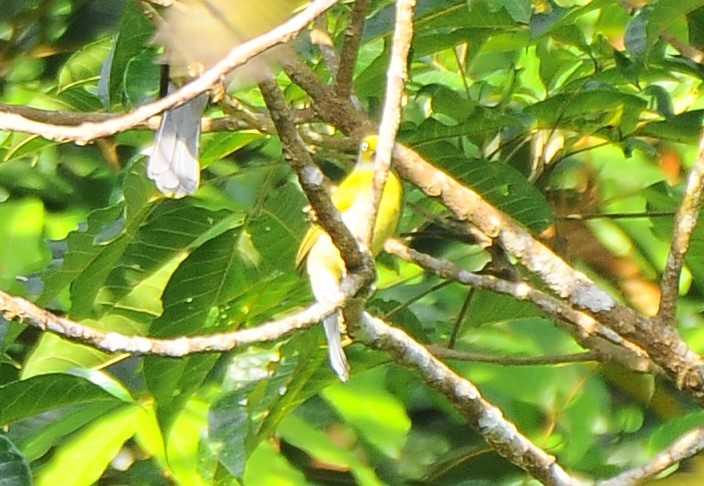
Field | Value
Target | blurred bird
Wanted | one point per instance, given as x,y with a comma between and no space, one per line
324,264
196,34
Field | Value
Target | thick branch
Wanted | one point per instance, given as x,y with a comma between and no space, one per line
329,107
483,417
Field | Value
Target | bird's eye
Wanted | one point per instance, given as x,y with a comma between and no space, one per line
365,146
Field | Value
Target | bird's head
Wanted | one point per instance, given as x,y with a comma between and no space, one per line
367,150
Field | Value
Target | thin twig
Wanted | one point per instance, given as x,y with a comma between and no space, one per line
461,316
626,215
684,447
88,131
483,417
685,222
453,354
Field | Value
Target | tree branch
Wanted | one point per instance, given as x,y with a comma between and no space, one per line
396,76
22,311
88,131
350,49
684,447
685,222
453,354
586,330
312,181
483,417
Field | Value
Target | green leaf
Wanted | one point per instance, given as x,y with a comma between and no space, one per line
268,467
135,32
448,102
426,11
215,146
84,67
377,415
172,382
141,77
481,125
662,198
81,256
489,307
498,182
21,246
77,98
519,10
229,426
559,17
652,21
14,469
197,298
241,419
36,435
54,354
83,459
682,128
277,229
318,445
39,394
589,110
673,429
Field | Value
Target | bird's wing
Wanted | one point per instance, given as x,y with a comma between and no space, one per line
307,243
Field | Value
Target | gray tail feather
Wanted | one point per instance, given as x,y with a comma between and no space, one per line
338,360
173,164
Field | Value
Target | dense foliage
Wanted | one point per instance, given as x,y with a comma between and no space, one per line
579,119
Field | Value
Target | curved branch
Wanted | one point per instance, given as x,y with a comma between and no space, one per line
88,131
20,310
684,447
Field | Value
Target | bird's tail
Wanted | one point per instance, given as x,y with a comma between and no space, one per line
173,164
338,360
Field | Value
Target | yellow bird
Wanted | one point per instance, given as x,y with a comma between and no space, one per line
324,265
